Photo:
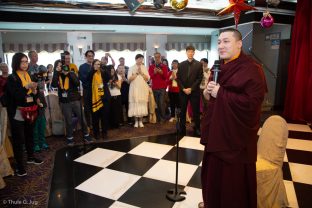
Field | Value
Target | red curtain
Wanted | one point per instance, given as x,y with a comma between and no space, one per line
298,102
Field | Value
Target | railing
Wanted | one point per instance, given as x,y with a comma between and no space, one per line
262,64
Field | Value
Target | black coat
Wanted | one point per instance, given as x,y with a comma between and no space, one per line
190,75
72,92
16,95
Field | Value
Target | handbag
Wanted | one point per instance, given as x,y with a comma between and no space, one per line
29,113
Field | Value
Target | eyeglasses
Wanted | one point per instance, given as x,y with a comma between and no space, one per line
24,62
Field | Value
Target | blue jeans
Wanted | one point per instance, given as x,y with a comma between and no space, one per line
159,96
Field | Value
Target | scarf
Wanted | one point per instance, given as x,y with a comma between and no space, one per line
97,91
24,76
64,86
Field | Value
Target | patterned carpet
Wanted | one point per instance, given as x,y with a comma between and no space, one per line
33,190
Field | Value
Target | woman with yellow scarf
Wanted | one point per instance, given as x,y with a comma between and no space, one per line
99,98
21,92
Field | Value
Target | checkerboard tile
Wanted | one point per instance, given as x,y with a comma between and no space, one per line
139,173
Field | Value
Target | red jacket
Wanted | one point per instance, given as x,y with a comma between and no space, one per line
169,82
159,81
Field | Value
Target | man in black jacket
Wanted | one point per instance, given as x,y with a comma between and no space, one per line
67,83
189,76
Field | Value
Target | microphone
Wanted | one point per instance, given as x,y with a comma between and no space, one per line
216,70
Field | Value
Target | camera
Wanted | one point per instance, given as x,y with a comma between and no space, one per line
158,4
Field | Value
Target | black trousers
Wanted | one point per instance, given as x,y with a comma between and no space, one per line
86,107
194,98
115,116
100,115
174,102
22,133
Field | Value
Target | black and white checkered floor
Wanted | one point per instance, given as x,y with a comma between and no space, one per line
138,172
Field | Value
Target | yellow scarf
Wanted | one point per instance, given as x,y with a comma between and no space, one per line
24,76
64,86
97,91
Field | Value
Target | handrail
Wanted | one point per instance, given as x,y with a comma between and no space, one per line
262,64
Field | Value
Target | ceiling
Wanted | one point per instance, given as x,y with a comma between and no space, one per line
197,10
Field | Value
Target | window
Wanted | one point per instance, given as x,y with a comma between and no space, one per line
44,58
181,55
128,55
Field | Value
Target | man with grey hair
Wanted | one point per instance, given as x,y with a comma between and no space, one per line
33,66
158,73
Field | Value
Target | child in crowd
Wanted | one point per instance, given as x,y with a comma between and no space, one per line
40,124
115,100
173,89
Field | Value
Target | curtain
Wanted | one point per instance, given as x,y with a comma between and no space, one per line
119,46
22,47
180,46
298,102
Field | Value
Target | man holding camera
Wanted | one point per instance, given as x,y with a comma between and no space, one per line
104,61
67,83
72,66
158,73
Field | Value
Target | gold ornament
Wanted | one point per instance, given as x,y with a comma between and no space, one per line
178,4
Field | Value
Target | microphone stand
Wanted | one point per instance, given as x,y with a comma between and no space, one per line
175,194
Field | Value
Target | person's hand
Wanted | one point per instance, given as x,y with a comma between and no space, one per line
65,72
31,85
210,86
213,88
139,70
174,75
107,55
187,91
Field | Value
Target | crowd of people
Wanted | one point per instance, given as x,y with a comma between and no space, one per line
111,96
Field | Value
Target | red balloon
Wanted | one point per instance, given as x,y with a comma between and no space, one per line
267,20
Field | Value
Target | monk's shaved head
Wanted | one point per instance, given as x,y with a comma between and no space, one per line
236,33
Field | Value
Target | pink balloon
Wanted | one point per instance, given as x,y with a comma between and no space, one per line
267,21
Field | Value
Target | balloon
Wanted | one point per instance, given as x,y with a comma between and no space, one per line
178,4
267,20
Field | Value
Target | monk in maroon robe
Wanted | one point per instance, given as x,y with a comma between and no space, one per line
229,127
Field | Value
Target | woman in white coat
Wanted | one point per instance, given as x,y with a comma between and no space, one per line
138,91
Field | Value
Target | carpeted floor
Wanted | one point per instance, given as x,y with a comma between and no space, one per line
33,190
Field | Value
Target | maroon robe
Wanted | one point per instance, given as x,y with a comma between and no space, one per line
229,132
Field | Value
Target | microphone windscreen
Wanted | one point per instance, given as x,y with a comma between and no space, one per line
216,63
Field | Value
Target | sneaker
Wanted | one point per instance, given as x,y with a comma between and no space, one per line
70,142
172,119
141,124
45,146
21,172
34,161
37,148
88,138
136,125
